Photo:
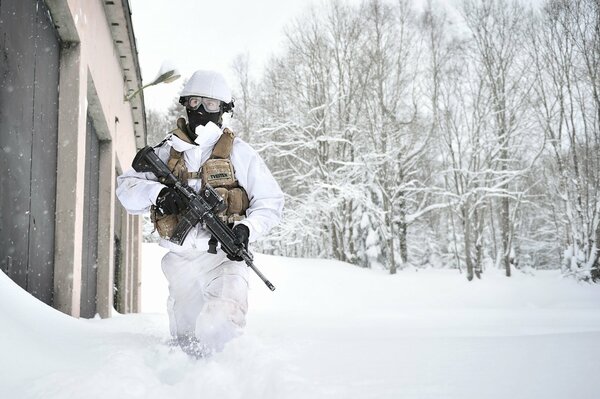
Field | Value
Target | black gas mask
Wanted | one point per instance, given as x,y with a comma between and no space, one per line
201,110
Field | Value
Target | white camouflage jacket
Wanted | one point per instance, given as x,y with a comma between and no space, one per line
138,191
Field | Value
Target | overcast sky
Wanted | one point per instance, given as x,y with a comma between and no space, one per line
205,34
209,34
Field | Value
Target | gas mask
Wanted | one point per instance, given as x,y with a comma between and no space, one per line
201,110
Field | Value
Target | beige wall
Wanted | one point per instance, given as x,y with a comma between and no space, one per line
93,80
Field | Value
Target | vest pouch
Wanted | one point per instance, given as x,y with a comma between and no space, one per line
223,193
237,205
218,173
164,224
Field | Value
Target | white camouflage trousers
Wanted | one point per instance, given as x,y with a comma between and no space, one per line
208,298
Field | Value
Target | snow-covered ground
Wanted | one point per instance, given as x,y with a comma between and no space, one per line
329,331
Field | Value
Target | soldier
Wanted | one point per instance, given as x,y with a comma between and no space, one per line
208,289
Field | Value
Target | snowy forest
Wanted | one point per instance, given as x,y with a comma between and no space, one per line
461,137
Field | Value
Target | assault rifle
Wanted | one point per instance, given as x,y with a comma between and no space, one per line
202,207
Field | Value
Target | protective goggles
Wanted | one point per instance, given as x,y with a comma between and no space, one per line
210,104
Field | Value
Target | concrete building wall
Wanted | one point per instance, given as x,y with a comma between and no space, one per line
98,67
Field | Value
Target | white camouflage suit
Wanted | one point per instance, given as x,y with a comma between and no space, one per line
207,293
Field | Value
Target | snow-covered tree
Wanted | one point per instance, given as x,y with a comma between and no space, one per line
565,43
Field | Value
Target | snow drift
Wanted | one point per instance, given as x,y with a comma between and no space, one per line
329,331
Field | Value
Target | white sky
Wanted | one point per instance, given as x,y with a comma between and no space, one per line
195,34
209,34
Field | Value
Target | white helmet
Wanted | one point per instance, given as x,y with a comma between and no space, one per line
207,84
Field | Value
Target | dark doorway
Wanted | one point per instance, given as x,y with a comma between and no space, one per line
89,267
29,78
119,277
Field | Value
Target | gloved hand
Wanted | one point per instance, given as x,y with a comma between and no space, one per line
242,234
169,201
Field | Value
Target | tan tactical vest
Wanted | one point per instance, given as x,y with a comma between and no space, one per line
217,171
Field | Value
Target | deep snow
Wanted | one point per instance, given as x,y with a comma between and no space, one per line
329,331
